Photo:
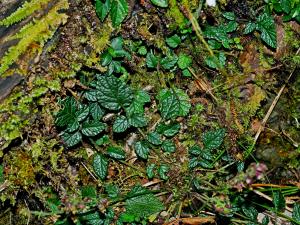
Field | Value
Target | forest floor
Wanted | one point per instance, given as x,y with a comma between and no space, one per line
149,112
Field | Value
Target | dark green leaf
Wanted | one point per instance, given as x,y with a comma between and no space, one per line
186,73
117,43
103,140
266,25
138,120
74,126
116,152
112,190
160,3
91,95
169,130
265,220
100,166
142,96
151,60
89,191
121,124
143,206
212,61
67,114
1,174
205,164
91,218
214,44
231,26
193,163
173,41
278,201
184,61
72,139
106,57
168,146
195,150
150,170
250,212
137,190
82,113
296,213
113,93
142,50
119,10
173,103
229,15
162,170
286,5
141,149
154,138
96,111
213,139
92,128
102,8
169,62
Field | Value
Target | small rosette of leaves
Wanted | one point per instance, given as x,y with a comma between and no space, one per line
205,157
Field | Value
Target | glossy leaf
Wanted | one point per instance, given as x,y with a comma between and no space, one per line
113,93
150,171
121,124
154,138
116,152
100,166
173,41
213,139
296,213
102,8
162,170
151,60
92,128
119,10
160,3
168,130
184,61
96,111
278,201
168,146
138,120
173,103
141,149
72,139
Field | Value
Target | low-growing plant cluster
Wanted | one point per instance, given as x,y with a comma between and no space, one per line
164,124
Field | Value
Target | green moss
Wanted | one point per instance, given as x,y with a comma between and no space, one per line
175,13
34,35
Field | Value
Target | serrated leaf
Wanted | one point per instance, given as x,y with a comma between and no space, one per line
96,111
162,170
160,3
142,50
286,5
92,128
231,26
121,124
168,146
212,61
143,206
154,138
67,114
103,140
100,166
91,95
102,8
141,149
137,120
151,60
173,41
116,152
184,61
72,139
195,150
214,44
106,57
168,130
91,218
169,62
136,191
89,191
193,163
250,212
296,213
137,106
119,10
150,171
142,96
173,103
266,25
229,15
112,190
186,73
213,139
73,126
278,201
113,93
82,113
